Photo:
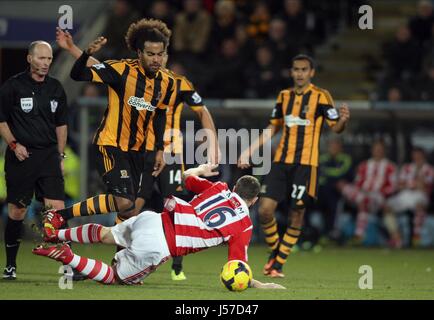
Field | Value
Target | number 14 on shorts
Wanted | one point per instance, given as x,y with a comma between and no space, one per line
175,176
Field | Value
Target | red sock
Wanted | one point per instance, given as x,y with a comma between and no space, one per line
418,220
88,233
93,269
361,224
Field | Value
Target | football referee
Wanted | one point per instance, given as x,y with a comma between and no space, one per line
33,116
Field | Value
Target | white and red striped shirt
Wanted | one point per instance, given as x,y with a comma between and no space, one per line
213,217
377,176
410,174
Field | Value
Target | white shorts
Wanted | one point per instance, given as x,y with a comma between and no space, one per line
145,246
407,200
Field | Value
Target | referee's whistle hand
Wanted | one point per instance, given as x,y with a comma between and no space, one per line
21,152
64,39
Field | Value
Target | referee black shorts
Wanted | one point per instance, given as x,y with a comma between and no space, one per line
121,171
40,174
294,182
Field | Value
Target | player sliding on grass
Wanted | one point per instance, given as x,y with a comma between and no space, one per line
214,216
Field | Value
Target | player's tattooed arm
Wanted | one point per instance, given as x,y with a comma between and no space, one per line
65,41
80,71
96,45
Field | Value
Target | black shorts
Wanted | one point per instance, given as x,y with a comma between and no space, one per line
294,182
170,182
121,171
147,180
40,174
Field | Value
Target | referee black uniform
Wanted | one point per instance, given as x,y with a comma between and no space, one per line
32,110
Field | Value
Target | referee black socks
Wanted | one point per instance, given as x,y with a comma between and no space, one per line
13,233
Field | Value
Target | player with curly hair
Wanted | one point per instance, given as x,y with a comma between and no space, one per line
169,181
139,92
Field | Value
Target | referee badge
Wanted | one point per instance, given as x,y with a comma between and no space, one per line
26,104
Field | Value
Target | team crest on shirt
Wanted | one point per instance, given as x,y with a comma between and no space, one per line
26,104
158,95
53,104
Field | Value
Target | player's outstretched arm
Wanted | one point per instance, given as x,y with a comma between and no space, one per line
80,72
244,159
65,41
265,285
96,45
205,170
205,117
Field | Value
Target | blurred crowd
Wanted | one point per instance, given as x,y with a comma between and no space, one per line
233,48
409,71
376,202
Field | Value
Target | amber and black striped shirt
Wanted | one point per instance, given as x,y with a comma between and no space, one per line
184,93
302,116
134,100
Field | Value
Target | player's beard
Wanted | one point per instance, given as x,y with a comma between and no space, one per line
153,69
150,71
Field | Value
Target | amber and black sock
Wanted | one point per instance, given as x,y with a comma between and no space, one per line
285,247
271,234
102,204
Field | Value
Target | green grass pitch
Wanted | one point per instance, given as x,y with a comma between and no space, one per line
329,274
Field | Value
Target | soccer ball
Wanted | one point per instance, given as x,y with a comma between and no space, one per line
236,275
